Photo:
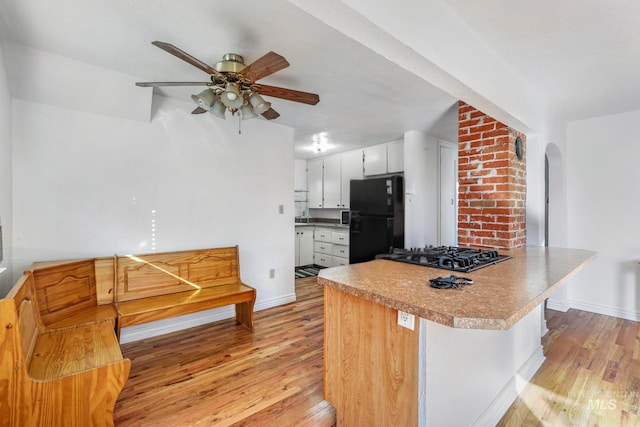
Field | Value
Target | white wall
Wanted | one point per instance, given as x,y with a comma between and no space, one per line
91,185
6,277
603,208
490,364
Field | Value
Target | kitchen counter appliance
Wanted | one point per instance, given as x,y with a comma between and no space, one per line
452,258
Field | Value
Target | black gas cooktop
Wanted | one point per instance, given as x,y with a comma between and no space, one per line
446,257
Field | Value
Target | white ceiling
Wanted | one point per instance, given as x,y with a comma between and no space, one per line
581,56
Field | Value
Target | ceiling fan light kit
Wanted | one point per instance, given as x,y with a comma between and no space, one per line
258,103
218,109
205,99
247,112
233,85
231,97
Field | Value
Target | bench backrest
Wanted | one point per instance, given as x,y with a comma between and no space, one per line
19,309
64,288
141,276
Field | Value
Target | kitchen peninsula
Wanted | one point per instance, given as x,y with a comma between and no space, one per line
470,350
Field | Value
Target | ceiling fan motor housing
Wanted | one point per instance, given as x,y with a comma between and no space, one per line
231,63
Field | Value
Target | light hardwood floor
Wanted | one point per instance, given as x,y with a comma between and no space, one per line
591,376
220,374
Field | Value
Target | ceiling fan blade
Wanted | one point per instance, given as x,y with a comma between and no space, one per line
264,66
199,110
156,84
289,94
270,114
186,57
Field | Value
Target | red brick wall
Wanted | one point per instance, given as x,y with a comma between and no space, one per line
492,182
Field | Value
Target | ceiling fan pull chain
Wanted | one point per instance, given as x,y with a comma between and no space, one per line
239,124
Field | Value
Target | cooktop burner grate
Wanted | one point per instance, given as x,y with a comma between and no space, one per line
452,258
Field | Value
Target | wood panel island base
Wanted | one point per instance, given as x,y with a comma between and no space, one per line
471,349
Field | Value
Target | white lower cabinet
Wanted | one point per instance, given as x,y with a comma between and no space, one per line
304,245
331,248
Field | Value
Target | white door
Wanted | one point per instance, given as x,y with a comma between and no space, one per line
448,194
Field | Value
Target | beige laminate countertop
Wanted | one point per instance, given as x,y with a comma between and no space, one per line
501,294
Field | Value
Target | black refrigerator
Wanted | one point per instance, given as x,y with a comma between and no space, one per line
377,217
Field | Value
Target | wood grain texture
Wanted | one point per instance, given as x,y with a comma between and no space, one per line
163,285
591,375
138,311
75,349
371,363
67,293
105,280
148,275
78,374
220,374
64,289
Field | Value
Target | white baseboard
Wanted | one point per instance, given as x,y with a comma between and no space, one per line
135,333
562,306
496,410
606,310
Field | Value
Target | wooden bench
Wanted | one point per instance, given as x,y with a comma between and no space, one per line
163,285
67,376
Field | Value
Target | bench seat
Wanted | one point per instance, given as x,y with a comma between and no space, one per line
149,309
62,352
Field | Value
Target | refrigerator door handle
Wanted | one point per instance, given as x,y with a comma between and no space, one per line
354,222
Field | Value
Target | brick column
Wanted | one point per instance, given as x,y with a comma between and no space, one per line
491,182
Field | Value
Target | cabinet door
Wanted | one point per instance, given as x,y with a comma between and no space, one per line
306,246
395,156
300,175
314,183
323,248
297,249
351,169
375,159
332,183
324,235
323,260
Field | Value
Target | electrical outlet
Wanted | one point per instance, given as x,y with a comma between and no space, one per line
272,273
406,320
281,209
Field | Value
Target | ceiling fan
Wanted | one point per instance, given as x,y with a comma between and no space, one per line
233,85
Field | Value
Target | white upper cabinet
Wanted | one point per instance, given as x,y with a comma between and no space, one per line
384,158
351,169
375,159
332,183
314,183
300,175
395,156
328,179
